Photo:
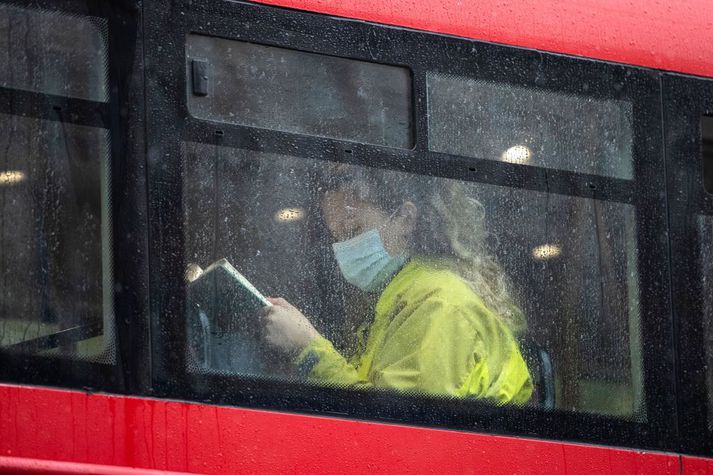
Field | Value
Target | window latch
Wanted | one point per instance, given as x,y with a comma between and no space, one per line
199,68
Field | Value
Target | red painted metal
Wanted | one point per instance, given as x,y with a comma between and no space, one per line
672,35
51,424
696,466
20,465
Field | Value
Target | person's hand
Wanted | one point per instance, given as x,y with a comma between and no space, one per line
285,326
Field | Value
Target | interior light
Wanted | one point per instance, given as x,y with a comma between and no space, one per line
12,177
546,251
286,215
518,154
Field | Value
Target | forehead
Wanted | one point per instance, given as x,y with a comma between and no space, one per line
340,200
344,204
363,187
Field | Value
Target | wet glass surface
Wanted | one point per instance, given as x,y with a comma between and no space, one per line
55,265
705,262
305,93
529,126
54,53
565,267
707,152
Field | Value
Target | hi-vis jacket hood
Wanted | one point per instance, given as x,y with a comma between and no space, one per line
433,335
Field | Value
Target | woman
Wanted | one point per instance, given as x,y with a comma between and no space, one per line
444,323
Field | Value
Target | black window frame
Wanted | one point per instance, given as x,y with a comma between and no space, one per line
686,100
169,123
122,116
147,118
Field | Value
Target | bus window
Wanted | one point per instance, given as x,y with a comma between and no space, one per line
705,226
259,212
53,53
707,152
54,239
459,274
529,126
294,91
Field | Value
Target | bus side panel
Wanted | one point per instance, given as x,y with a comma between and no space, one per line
696,466
672,36
167,435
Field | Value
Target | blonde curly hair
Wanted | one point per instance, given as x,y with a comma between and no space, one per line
451,225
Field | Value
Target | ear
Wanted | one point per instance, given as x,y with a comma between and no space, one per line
408,214
332,205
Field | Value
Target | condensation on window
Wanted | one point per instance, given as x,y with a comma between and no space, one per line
707,152
261,213
569,265
56,291
705,263
299,92
54,53
529,126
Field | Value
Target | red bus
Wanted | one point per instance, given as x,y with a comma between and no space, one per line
140,139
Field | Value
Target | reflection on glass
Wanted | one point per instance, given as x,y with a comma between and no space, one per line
416,284
305,93
54,239
54,53
286,215
705,261
529,126
546,251
12,177
518,154
707,152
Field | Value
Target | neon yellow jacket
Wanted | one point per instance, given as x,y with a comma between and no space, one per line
433,335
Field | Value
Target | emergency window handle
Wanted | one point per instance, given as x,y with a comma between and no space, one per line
200,77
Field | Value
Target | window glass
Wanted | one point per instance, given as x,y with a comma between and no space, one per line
53,53
294,91
705,259
55,266
529,126
458,277
707,152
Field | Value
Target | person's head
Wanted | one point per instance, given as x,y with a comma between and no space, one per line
351,208
415,215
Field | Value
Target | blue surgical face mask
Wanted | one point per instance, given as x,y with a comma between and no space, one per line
364,261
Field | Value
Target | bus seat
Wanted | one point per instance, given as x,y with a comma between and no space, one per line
541,369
